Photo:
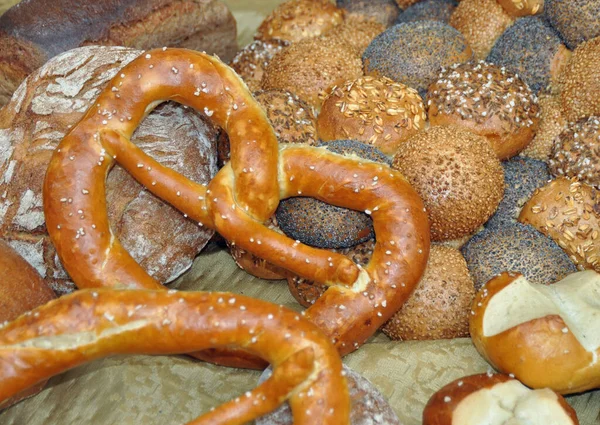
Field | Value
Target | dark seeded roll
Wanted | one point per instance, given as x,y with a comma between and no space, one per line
428,10
414,52
522,176
517,248
367,404
251,61
576,152
487,100
323,225
533,50
575,20
384,12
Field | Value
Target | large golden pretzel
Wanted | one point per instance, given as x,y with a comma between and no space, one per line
238,200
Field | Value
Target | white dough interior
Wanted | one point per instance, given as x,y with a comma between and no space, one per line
576,299
510,403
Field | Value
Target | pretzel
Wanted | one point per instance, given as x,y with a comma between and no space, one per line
90,324
238,200
547,336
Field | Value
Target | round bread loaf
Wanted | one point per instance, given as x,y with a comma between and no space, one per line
414,52
373,110
481,22
356,32
367,404
518,8
457,175
383,12
576,152
322,225
552,123
522,176
516,248
296,20
428,10
440,305
45,106
579,82
569,212
309,67
487,100
576,21
532,49
251,61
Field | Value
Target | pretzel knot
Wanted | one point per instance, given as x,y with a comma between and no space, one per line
243,195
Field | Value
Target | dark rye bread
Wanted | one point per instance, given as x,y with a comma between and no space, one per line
49,102
33,31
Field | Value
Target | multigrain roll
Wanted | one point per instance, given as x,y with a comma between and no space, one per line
308,68
458,176
481,22
576,152
579,82
516,248
383,12
414,52
552,123
428,10
532,49
373,110
355,31
568,211
518,8
487,100
440,305
406,3
576,21
296,20
251,61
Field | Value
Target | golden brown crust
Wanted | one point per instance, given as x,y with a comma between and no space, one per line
250,62
539,352
481,22
91,324
296,20
374,110
355,31
552,123
487,100
518,8
569,212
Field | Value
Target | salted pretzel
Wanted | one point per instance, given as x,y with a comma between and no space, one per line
91,324
238,200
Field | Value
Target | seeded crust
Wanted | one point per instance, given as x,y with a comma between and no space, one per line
481,22
532,49
406,3
414,52
251,61
372,110
383,12
457,175
309,67
439,307
580,82
516,248
522,176
487,100
552,123
576,21
569,212
428,10
576,152
357,32
518,8
322,225
296,20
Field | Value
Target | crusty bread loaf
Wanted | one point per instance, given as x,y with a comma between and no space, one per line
44,107
34,31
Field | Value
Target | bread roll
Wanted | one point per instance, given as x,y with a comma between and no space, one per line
518,8
34,31
383,12
576,21
250,62
552,123
428,10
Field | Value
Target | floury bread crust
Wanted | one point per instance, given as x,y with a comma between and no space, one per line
43,109
34,31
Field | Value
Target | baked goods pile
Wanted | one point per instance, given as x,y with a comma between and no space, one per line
331,153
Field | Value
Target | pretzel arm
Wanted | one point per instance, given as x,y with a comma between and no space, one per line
88,325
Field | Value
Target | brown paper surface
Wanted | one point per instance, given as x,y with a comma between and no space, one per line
173,390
